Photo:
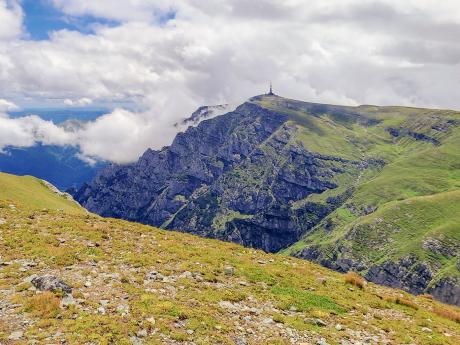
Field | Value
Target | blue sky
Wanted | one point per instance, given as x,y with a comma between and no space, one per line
41,18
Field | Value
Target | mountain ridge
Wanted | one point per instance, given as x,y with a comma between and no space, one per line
281,174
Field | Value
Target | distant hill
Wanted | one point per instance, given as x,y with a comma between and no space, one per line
69,276
371,189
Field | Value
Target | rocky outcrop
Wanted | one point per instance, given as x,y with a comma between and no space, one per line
394,132
446,290
337,260
414,276
407,274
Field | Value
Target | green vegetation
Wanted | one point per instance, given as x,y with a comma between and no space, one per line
32,192
397,209
202,291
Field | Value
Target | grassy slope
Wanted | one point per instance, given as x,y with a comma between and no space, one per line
116,255
413,171
31,191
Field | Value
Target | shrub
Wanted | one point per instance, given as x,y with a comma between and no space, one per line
355,279
447,313
45,305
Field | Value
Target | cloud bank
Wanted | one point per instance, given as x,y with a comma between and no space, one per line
165,58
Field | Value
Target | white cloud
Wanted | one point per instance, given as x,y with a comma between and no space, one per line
224,51
82,102
10,20
119,10
7,105
26,131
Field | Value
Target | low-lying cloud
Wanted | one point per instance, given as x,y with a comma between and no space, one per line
165,58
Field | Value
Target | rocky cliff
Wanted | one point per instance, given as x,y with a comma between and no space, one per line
236,177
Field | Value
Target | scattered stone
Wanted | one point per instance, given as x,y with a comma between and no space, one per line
227,305
316,322
2,221
136,341
240,341
104,302
88,284
267,321
338,327
50,283
151,321
16,335
322,281
322,341
427,330
142,333
190,331
67,300
123,309
101,310
187,275
154,275
254,311
229,270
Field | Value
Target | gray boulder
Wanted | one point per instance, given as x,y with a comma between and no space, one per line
51,283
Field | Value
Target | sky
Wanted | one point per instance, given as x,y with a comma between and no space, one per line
154,62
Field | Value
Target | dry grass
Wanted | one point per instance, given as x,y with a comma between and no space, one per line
406,302
401,301
426,296
448,313
355,279
44,305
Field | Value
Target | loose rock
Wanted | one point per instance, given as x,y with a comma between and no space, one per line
51,283
16,335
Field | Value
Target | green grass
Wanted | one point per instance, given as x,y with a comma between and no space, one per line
286,289
304,300
32,192
416,192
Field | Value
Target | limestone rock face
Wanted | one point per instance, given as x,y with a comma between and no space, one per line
407,274
447,290
235,177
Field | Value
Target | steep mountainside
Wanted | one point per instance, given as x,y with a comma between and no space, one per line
68,276
325,181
